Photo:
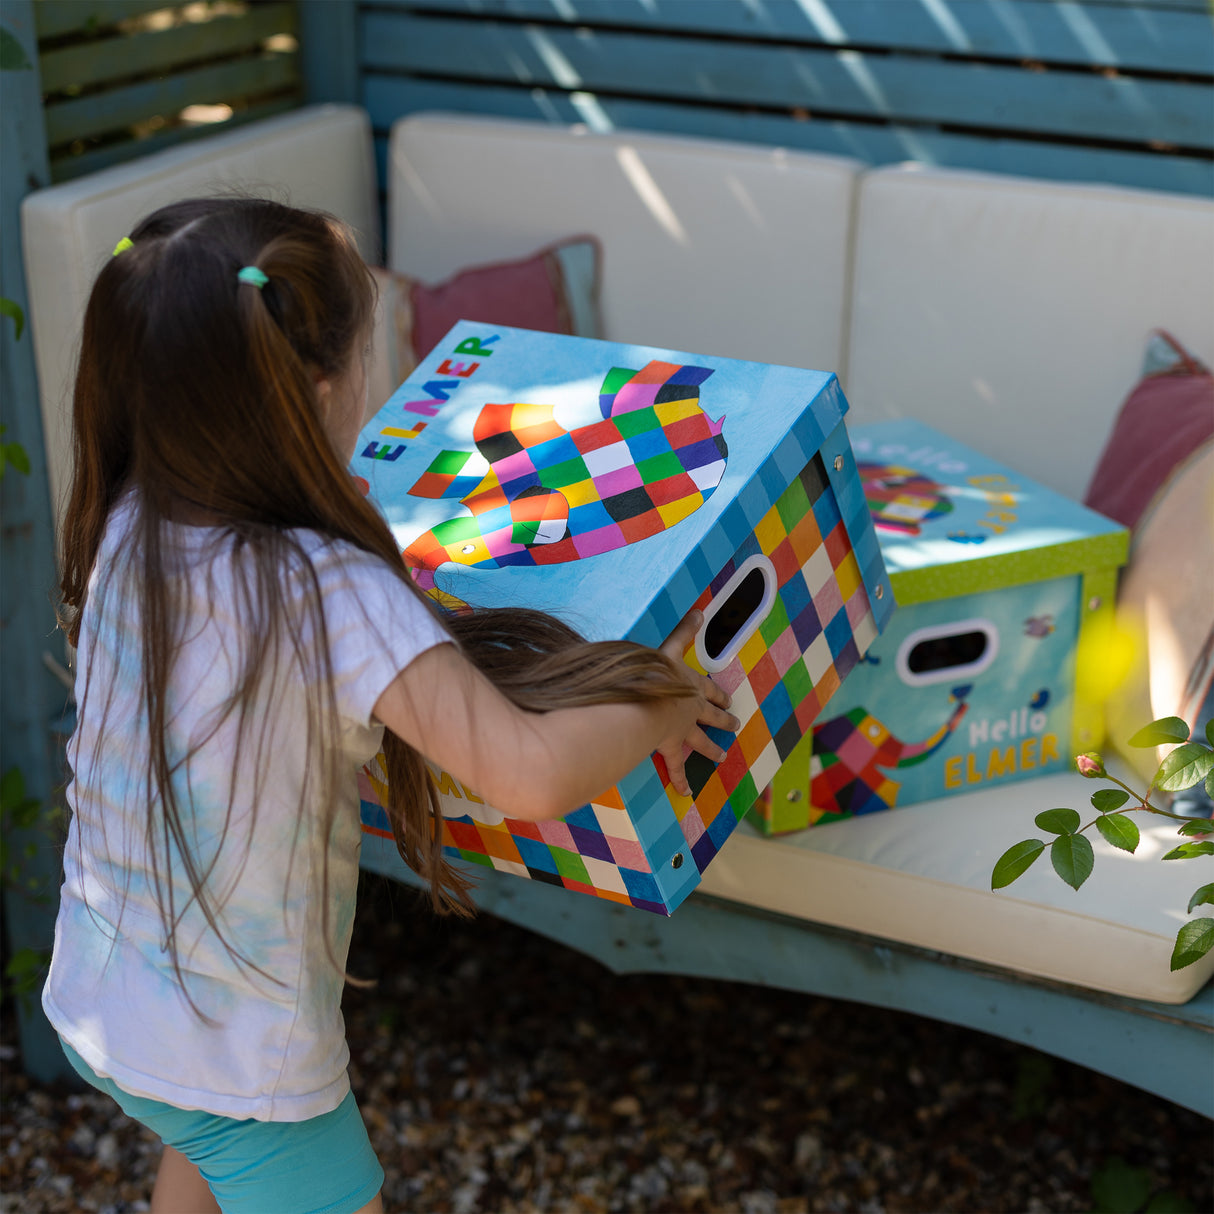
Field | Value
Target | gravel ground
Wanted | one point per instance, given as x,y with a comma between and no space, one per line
500,1072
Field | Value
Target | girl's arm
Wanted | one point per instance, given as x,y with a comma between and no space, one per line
544,765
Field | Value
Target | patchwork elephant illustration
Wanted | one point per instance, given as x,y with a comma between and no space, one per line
901,499
538,494
850,751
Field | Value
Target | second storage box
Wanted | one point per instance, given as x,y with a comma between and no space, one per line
997,582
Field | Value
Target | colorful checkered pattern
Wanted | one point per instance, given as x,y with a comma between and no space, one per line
541,495
902,499
595,850
819,625
630,844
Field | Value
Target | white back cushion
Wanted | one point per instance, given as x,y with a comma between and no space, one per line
709,247
316,157
1014,314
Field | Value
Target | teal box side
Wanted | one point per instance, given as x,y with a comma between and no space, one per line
893,736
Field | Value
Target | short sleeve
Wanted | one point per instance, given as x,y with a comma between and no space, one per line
376,626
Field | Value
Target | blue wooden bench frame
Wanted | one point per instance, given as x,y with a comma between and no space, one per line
1152,1046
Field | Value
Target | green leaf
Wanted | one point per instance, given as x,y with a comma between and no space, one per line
25,814
10,307
1193,941
1072,858
1198,827
1015,861
1185,766
1210,785
1201,896
1210,731
25,969
1186,851
1118,830
1118,1188
1161,732
12,787
1058,821
1106,799
15,454
12,54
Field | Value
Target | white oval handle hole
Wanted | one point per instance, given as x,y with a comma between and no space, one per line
947,652
735,613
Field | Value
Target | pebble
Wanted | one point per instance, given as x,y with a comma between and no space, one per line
500,1073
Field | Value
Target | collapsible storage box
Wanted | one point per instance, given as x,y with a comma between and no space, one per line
618,487
997,581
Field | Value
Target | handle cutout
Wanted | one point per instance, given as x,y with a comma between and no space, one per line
945,652
736,612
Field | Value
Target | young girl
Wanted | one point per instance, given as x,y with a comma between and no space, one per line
245,630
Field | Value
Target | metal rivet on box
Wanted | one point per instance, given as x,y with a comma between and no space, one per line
1095,602
880,590
838,463
677,862
793,794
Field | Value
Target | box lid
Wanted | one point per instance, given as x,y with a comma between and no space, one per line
509,457
951,521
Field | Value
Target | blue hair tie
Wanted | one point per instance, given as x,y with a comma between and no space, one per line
253,276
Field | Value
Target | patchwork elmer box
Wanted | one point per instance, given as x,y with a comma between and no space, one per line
997,580
618,487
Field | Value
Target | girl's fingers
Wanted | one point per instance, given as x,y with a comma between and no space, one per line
676,643
673,758
716,695
702,744
718,718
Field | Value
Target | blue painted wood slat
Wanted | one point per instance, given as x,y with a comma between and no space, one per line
328,49
387,98
55,18
70,166
1135,35
847,84
158,51
30,700
100,113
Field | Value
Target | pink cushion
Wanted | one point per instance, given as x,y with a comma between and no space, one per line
1163,421
1156,476
555,290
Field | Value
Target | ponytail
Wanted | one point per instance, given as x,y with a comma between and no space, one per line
197,390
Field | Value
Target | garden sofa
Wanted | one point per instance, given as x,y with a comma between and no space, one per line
1007,312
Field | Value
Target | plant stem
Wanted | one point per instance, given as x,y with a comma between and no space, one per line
1144,804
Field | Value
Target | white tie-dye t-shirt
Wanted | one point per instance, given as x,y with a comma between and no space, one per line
272,1044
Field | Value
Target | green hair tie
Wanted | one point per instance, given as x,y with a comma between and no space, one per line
121,247
253,276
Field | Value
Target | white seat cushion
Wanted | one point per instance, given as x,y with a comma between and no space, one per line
708,246
317,157
1014,314
922,875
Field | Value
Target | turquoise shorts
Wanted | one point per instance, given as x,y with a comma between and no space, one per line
321,1166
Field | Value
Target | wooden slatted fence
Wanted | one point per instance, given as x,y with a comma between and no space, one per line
122,78
1104,90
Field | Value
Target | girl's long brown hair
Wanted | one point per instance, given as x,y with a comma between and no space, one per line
198,393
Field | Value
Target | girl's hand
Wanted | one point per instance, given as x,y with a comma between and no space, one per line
706,707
